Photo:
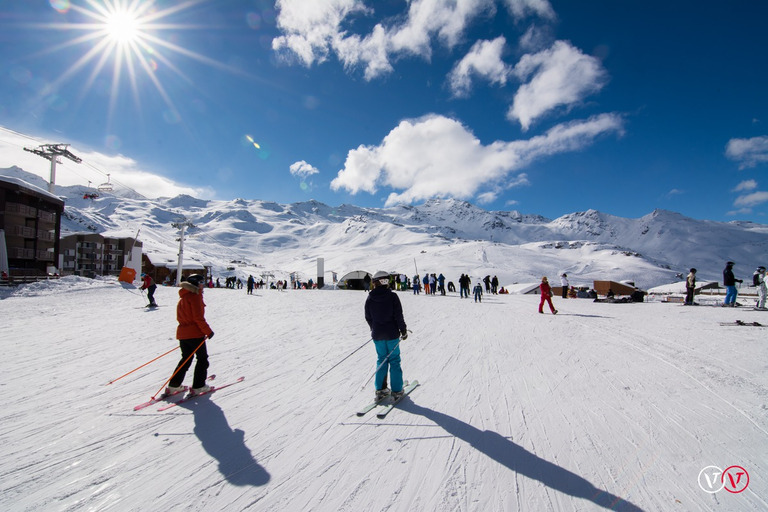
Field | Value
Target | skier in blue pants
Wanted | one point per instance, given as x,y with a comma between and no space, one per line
384,315
729,281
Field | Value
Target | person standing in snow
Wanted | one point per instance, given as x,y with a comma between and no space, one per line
464,282
729,281
690,287
384,315
149,284
564,284
494,285
478,292
759,280
546,296
249,285
191,333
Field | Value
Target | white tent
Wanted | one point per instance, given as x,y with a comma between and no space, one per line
353,280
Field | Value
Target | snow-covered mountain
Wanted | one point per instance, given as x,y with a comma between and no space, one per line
441,235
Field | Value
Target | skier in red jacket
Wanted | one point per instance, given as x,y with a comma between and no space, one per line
191,333
149,284
546,295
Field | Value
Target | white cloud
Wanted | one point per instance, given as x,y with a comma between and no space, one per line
487,197
123,171
313,30
302,169
436,156
310,27
753,199
483,60
523,8
746,185
748,152
559,76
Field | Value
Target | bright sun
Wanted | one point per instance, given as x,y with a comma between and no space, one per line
122,27
128,39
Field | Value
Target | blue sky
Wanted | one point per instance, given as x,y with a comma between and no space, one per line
546,107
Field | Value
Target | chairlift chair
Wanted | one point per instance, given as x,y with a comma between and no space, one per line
105,187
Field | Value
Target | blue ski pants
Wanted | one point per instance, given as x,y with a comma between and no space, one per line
389,364
730,295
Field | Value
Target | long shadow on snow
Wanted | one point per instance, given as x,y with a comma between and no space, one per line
523,462
227,446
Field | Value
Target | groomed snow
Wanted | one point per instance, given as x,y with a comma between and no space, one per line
603,406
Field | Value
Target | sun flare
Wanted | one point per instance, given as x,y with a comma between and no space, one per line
122,27
135,41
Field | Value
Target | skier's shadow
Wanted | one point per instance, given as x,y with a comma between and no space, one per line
523,462
236,463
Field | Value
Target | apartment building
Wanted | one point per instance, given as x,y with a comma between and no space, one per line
30,224
92,254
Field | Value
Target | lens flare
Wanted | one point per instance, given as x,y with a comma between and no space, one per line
60,5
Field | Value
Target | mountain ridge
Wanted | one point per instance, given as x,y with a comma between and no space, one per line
441,235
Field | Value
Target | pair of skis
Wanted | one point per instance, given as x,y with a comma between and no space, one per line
385,405
741,322
164,397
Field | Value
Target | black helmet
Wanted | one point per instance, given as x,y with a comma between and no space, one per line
729,264
693,270
196,279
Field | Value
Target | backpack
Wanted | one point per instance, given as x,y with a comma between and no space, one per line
756,279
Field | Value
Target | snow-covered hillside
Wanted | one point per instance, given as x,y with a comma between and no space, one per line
601,407
448,236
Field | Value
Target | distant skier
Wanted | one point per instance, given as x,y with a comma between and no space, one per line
478,289
487,281
546,296
564,284
759,280
729,281
690,287
249,285
384,315
191,333
149,284
494,285
464,282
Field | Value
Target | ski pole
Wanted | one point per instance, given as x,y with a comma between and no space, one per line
140,367
350,355
179,368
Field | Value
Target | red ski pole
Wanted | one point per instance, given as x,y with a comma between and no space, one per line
140,367
179,368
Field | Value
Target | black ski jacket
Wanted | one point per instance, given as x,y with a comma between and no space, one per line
384,314
728,278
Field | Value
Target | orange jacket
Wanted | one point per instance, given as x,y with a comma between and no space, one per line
190,313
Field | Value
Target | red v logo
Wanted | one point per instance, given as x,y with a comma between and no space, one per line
738,479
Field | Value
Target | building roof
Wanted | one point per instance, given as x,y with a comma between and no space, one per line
32,189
